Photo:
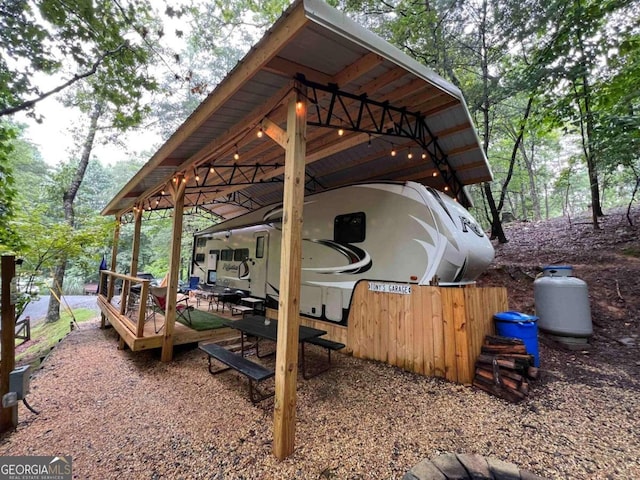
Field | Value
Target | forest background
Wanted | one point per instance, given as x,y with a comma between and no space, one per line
553,87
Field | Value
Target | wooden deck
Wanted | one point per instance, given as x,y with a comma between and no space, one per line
126,328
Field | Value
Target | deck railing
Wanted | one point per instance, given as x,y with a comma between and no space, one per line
109,281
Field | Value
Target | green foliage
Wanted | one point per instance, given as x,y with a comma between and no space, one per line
8,239
78,39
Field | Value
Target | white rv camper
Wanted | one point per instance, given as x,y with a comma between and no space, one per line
403,233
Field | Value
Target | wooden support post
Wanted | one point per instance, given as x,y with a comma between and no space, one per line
142,308
8,416
135,249
135,252
290,276
177,195
111,280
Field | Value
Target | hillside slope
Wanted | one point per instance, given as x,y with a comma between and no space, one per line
608,260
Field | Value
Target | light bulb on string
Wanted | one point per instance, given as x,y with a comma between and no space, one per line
409,155
260,133
424,156
393,151
340,132
236,155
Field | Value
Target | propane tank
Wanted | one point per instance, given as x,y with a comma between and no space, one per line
562,305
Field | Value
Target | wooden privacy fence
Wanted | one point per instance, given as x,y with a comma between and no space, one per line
433,331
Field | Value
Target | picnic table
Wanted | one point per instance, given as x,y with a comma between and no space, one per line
261,327
216,297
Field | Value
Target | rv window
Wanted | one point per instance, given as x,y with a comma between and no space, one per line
214,252
240,254
259,247
201,241
199,257
226,255
349,228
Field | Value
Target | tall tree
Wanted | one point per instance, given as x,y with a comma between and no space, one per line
75,40
575,40
68,197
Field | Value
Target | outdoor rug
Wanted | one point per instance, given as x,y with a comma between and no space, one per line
203,320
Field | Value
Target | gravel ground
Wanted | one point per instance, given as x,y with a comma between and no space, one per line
120,414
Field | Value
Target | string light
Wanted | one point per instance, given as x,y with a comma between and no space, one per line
211,169
424,156
162,192
260,133
434,174
197,177
409,155
446,189
393,151
340,132
299,105
184,179
236,155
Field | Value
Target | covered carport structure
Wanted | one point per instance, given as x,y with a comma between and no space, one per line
319,102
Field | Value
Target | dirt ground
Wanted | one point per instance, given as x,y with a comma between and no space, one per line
608,260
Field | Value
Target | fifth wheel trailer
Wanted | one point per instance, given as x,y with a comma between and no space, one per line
403,233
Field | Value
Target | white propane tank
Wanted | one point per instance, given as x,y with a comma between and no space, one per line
562,305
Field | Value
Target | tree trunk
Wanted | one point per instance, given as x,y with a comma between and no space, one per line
586,129
53,312
69,196
496,225
596,207
533,192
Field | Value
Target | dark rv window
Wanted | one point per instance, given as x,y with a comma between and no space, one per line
240,254
349,228
199,257
214,252
259,247
226,255
201,242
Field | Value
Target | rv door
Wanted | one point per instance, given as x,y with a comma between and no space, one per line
260,255
212,266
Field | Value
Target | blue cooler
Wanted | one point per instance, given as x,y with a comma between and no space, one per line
522,326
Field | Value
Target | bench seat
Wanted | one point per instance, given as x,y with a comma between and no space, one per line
240,309
253,371
330,345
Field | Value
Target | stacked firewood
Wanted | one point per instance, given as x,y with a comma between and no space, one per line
504,368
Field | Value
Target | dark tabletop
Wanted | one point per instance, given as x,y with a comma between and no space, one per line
254,325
